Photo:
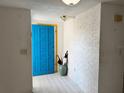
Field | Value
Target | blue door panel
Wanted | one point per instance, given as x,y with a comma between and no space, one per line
42,50
51,49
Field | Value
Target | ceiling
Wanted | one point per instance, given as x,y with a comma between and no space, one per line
53,9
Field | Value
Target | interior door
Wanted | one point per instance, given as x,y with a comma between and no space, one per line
42,49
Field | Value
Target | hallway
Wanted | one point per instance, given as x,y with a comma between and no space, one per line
54,83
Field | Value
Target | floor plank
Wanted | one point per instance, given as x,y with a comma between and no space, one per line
54,83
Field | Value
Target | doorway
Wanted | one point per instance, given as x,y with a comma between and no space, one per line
43,49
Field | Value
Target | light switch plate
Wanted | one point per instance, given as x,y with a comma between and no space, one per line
23,51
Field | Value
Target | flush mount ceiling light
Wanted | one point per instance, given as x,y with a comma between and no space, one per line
71,2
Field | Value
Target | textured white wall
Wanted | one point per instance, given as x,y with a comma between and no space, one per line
15,65
81,39
112,50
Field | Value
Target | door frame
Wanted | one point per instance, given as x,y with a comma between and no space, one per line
55,39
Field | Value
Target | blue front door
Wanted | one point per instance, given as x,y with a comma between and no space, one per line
42,49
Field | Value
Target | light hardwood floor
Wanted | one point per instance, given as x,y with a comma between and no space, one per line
54,83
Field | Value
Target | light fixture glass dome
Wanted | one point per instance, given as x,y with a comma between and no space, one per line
71,2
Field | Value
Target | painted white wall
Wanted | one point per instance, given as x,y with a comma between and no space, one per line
112,50
15,65
81,39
